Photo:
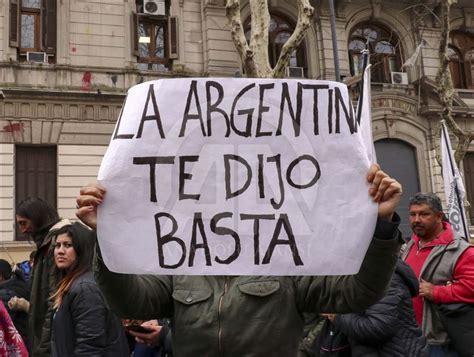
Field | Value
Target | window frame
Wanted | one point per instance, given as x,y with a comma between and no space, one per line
456,68
170,31
36,13
462,43
153,21
45,28
381,62
33,179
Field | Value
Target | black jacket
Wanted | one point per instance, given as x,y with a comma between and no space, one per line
16,287
84,326
387,328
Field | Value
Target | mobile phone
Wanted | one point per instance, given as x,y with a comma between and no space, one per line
138,328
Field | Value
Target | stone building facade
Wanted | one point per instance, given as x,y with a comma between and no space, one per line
65,67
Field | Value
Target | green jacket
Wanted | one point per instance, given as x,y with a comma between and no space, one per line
248,315
43,285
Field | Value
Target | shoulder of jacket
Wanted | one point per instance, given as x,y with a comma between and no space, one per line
458,246
84,282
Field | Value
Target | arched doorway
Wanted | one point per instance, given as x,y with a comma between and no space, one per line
398,159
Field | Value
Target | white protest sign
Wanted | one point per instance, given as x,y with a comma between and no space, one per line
237,177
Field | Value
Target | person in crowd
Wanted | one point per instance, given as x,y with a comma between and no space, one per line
387,328
239,315
83,324
40,221
11,343
26,266
443,265
12,283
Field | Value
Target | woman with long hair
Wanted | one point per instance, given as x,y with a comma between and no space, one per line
83,325
37,219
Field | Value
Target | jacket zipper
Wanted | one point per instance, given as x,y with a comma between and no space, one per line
331,334
219,313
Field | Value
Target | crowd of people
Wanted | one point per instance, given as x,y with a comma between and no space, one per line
65,302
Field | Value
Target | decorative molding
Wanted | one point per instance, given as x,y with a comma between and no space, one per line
25,112
376,8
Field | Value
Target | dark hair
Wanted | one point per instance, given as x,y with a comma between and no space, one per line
430,198
39,211
5,269
83,241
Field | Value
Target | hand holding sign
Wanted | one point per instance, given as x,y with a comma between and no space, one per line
385,190
90,197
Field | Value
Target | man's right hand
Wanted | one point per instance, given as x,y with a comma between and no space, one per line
89,198
153,337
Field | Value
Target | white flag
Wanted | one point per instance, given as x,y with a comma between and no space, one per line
411,61
453,188
364,110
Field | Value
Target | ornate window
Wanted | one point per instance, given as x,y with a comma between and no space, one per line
155,35
383,47
279,31
461,59
33,27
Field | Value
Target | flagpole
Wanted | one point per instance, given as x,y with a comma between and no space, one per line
335,50
456,190
365,62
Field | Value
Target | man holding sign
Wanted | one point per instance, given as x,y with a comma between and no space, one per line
239,315
247,199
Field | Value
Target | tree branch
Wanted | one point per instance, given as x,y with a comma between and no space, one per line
305,14
238,36
445,87
260,22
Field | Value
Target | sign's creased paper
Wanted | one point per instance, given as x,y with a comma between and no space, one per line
237,177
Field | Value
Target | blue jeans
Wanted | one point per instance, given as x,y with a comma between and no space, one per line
142,350
442,351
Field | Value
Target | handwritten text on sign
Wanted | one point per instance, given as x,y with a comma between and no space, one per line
236,177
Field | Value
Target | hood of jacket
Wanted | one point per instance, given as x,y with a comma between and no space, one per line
40,235
408,276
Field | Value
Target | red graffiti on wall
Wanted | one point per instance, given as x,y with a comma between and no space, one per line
86,80
11,128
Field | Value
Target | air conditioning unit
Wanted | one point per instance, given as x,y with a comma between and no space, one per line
399,77
295,72
154,7
40,57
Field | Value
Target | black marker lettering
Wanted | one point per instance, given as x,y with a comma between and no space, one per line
167,238
226,231
155,116
187,116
